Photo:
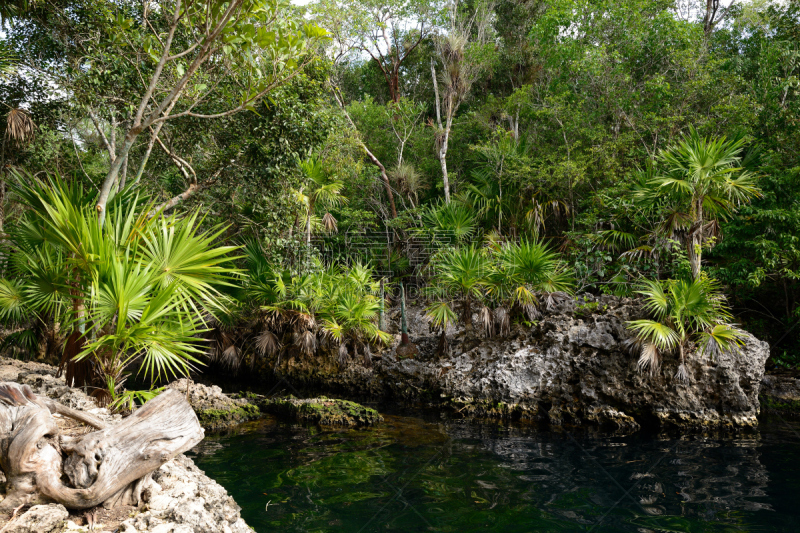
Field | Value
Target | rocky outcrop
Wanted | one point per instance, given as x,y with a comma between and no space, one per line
572,366
39,518
323,411
218,411
182,499
215,409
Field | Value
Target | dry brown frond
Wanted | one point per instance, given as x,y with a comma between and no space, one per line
682,375
532,312
20,128
343,355
267,343
650,359
367,356
503,321
554,298
307,342
486,320
304,321
329,223
230,357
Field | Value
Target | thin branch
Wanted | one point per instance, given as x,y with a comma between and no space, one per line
160,66
102,134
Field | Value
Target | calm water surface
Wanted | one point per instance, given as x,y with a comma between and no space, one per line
417,473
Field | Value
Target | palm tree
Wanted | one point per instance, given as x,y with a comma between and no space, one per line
704,182
458,274
527,272
452,219
281,309
321,190
685,313
135,289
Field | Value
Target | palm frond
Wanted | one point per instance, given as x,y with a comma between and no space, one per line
650,359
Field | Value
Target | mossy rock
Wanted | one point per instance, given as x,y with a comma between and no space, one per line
323,411
779,405
217,419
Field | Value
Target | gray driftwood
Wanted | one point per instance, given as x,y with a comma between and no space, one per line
107,466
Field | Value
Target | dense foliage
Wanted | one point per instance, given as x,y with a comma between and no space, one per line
536,147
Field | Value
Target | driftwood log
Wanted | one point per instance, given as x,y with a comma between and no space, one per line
109,466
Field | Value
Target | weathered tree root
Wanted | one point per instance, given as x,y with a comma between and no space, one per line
109,466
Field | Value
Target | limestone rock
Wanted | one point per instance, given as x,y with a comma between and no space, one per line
39,519
780,392
216,410
571,367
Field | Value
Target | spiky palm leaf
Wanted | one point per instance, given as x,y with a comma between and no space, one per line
684,312
141,286
452,220
527,271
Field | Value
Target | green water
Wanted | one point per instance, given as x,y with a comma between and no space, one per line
417,473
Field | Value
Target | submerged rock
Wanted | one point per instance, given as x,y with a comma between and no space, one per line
572,366
323,411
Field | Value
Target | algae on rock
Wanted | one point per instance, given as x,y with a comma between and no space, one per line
323,411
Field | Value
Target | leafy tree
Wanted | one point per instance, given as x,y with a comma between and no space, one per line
462,54
204,60
388,31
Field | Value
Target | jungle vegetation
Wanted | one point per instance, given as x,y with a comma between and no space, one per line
642,148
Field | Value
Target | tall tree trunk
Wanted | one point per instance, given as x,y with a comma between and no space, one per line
113,174
442,152
308,220
443,162
695,255
696,241
468,313
2,205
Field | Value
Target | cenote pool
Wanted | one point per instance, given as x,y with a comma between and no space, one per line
422,473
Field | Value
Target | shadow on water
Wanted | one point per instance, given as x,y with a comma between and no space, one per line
420,473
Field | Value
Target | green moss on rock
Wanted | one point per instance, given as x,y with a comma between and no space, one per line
775,404
216,419
323,411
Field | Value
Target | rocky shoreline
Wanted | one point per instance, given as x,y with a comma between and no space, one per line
182,499
572,366
218,411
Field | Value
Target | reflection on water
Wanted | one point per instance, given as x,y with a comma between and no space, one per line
413,474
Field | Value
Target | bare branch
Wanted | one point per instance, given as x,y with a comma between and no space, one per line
102,134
